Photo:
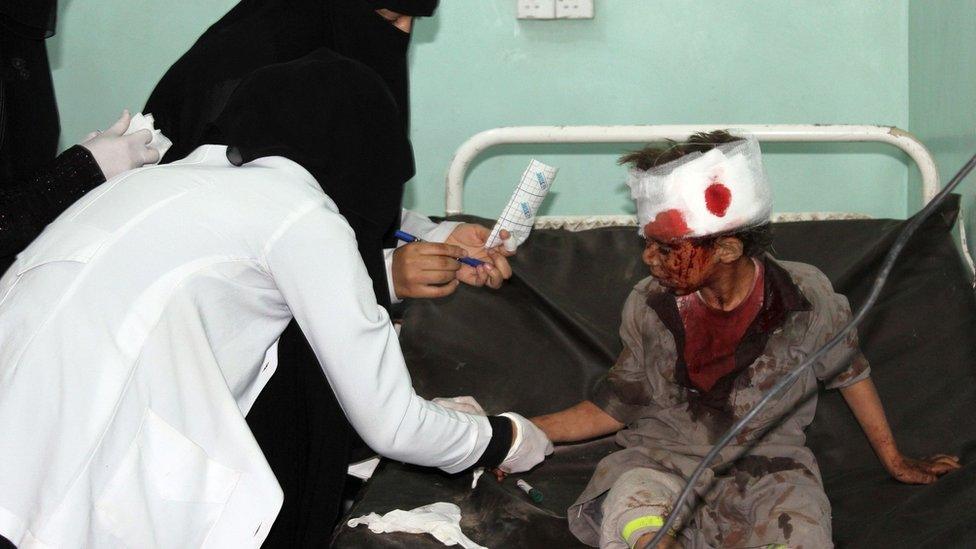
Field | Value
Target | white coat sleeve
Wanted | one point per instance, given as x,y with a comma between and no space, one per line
318,270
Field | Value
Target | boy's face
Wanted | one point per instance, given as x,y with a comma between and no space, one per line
680,265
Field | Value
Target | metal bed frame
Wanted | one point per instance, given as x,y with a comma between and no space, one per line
480,142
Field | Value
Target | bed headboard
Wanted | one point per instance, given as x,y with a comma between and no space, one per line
477,144
480,142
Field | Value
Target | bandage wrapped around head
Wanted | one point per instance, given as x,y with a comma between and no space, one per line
700,194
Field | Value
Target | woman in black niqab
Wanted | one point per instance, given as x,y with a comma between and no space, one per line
257,33
297,421
336,118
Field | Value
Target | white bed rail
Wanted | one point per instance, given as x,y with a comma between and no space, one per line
479,143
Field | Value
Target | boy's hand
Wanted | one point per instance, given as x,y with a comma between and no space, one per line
863,399
922,471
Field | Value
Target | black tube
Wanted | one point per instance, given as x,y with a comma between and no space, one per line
879,282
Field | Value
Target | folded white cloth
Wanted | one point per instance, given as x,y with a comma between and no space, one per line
363,469
146,122
441,520
475,476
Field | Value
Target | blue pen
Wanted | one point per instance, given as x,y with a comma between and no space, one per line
407,237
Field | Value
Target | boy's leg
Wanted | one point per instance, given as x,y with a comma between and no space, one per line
768,502
669,542
637,505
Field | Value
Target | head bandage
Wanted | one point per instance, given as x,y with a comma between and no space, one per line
701,194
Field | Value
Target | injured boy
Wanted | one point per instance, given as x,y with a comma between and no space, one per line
717,323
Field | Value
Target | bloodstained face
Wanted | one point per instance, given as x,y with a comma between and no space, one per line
680,265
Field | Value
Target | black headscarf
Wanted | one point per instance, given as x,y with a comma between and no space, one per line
417,8
31,19
336,118
256,33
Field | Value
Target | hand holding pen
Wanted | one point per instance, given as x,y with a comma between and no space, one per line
409,238
431,269
472,237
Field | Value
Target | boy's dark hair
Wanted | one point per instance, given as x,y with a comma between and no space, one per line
755,240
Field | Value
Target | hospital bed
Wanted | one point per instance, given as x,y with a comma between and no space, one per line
539,344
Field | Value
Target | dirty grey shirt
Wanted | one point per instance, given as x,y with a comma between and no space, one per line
671,425
648,390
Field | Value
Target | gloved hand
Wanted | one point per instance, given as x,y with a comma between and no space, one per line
530,448
466,404
116,153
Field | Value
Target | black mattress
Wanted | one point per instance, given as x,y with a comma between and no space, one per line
541,342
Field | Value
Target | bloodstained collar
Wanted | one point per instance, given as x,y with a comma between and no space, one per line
781,296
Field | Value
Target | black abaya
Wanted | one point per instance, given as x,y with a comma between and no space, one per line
306,439
29,126
336,118
309,456
35,187
27,207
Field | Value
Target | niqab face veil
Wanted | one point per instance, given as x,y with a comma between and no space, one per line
336,118
31,19
257,33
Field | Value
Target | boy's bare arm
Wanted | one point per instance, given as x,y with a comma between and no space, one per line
863,399
580,422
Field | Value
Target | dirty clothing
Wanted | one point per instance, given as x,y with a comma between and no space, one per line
763,489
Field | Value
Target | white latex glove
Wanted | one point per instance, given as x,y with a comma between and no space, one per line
116,153
466,404
530,448
146,122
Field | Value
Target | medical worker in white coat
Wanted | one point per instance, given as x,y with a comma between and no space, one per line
133,333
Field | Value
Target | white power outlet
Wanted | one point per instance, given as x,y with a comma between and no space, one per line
574,9
536,9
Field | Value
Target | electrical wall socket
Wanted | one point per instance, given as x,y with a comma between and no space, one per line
536,9
574,9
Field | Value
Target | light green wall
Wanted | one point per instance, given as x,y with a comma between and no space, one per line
942,96
475,66
108,54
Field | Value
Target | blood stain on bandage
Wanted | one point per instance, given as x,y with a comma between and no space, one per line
717,198
667,225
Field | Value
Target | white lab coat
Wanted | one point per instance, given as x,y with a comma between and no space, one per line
133,333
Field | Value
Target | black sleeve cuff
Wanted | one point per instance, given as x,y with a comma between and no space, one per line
27,206
74,172
500,443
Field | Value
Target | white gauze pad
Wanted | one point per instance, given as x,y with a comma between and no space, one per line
146,122
441,520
